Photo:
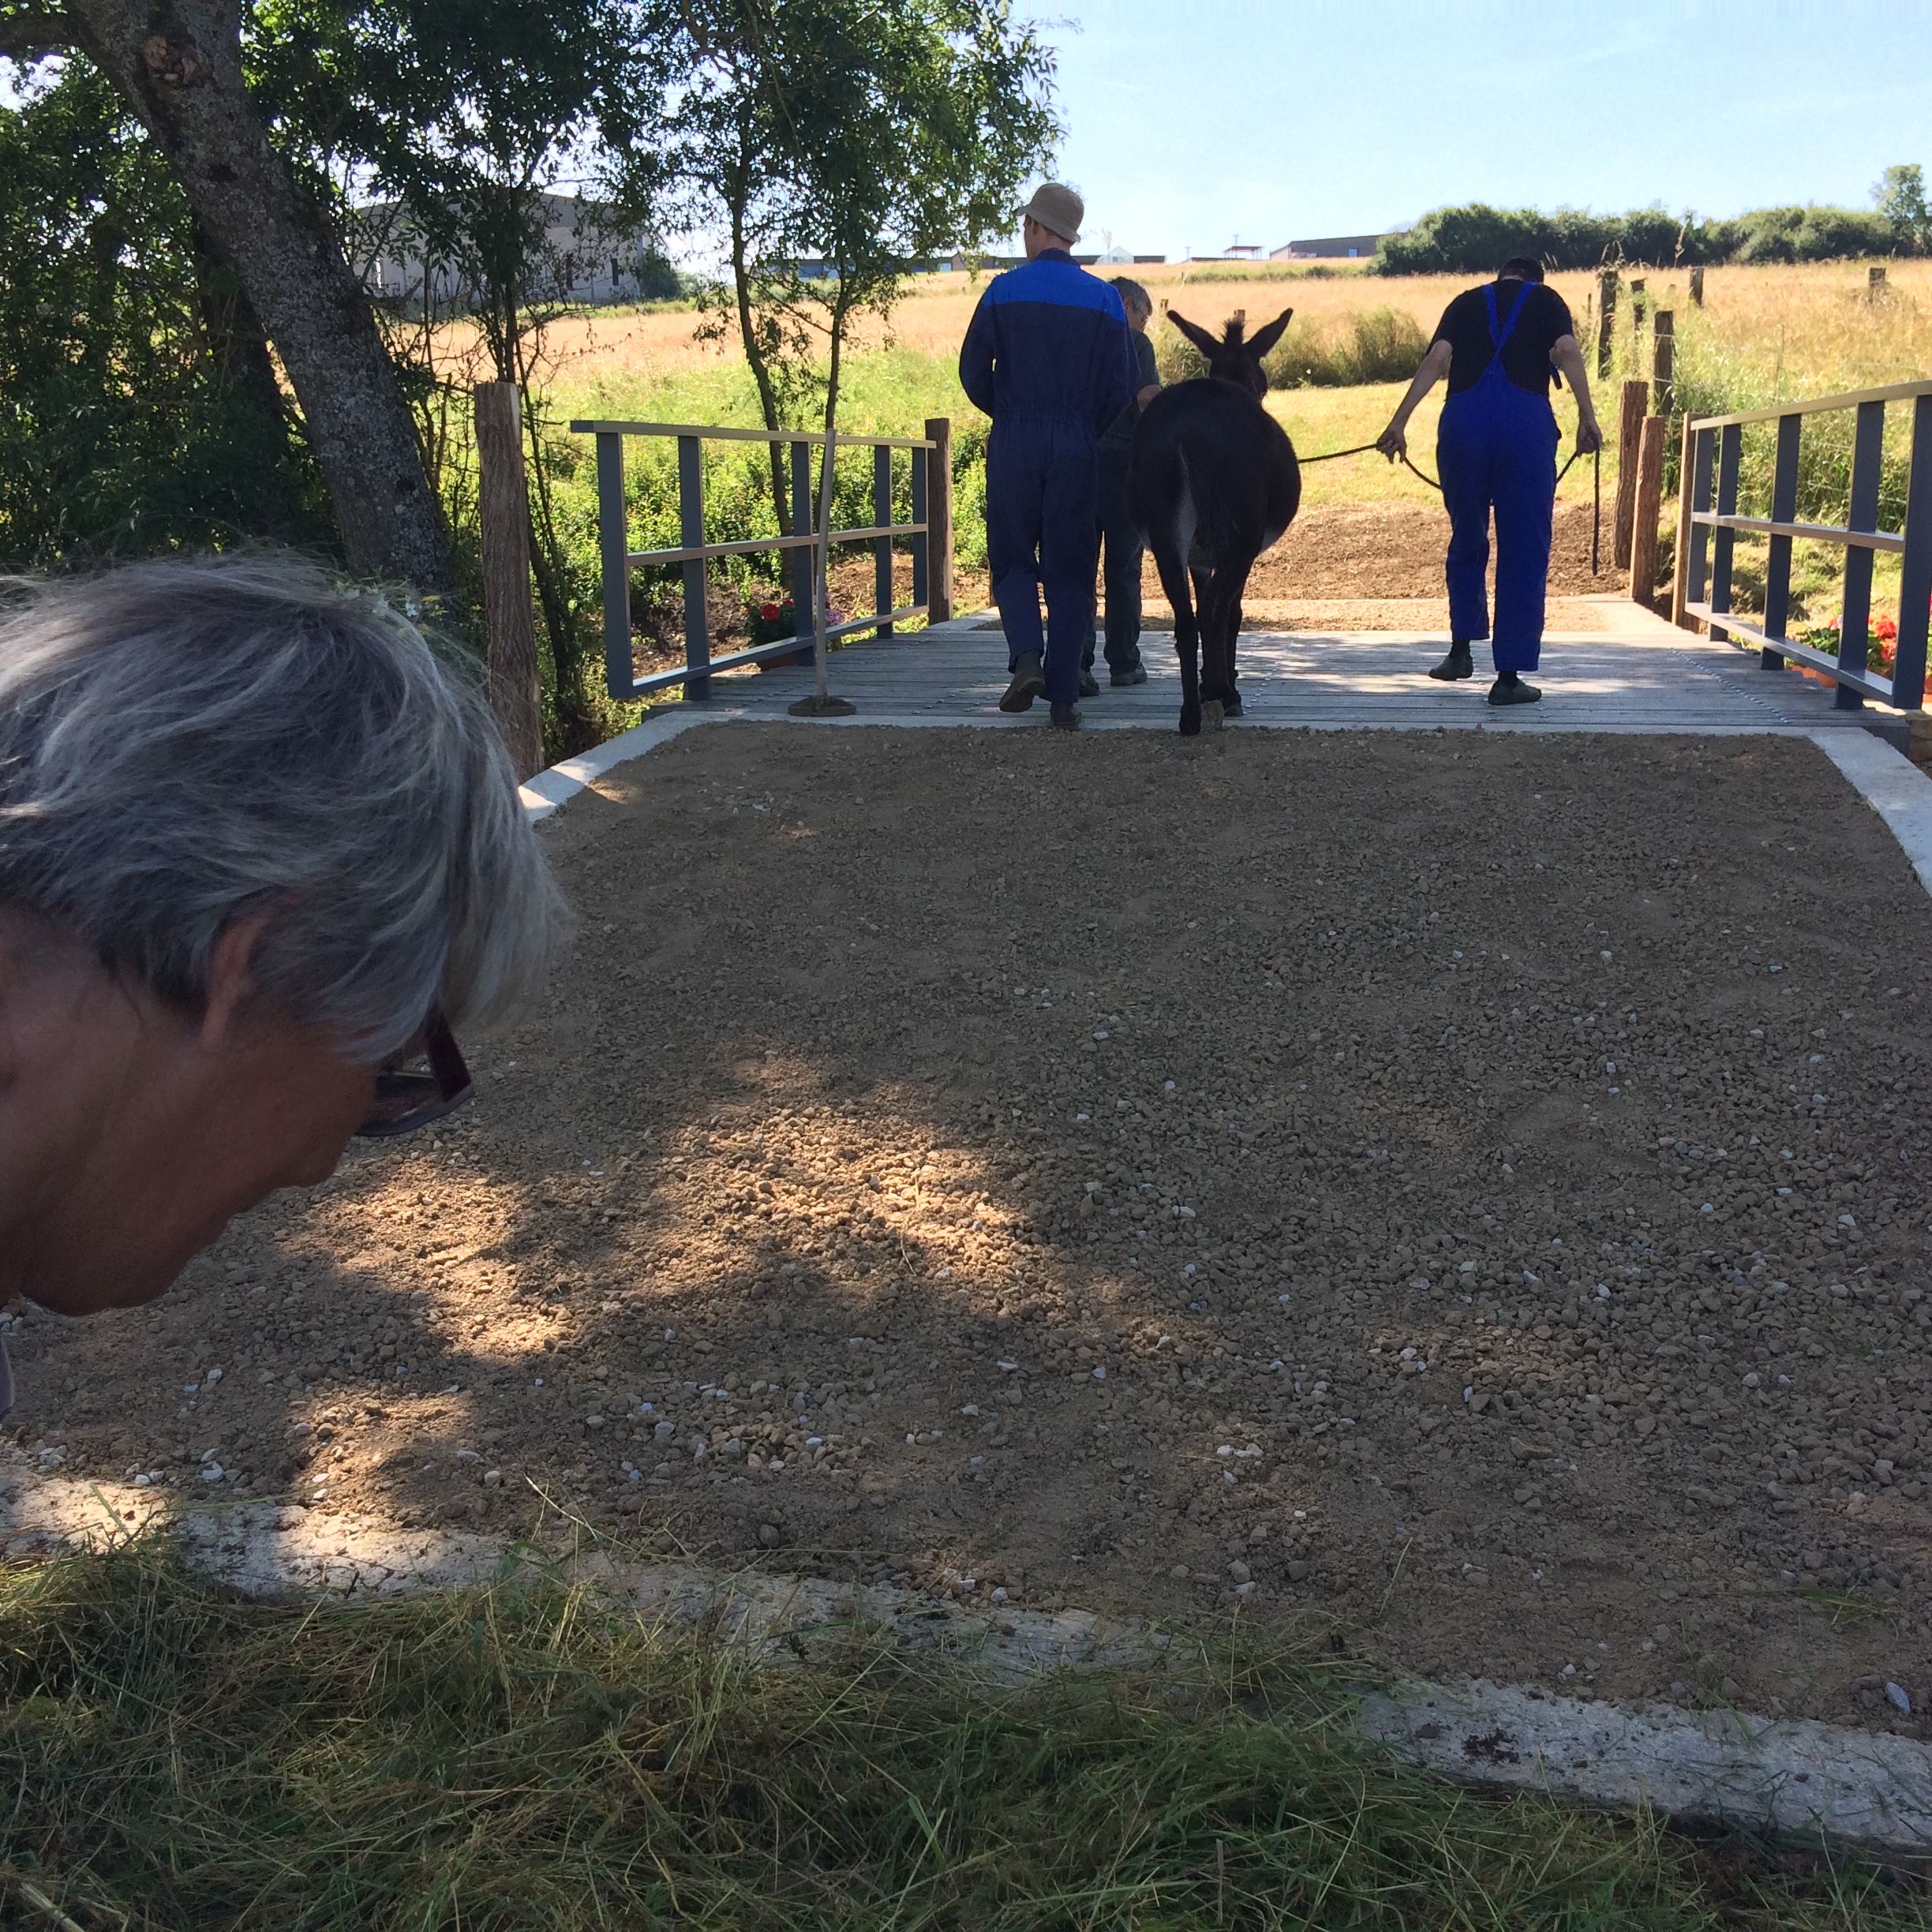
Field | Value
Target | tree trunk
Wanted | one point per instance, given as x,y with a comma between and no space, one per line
238,349
178,64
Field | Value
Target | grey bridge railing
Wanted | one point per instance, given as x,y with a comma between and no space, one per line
930,528
1709,524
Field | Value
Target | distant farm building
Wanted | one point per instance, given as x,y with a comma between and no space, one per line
587,254
1329,248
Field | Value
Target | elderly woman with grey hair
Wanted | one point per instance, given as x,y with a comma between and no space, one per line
260,854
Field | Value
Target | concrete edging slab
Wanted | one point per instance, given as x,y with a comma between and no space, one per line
1870,1789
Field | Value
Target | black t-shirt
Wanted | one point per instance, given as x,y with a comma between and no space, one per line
1464,327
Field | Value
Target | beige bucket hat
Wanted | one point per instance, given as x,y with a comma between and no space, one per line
1057,207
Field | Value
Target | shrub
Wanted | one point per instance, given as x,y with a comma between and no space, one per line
1474,238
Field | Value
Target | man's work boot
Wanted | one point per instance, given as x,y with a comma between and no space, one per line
1456,665
1089,686
1135,674
1510,689
1028,681
1066,717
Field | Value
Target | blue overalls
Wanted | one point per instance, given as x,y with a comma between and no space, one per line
1496,444
1048,356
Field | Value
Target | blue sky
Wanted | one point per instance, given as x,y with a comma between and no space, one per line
1189,125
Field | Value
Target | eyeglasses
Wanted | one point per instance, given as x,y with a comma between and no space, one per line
407,1097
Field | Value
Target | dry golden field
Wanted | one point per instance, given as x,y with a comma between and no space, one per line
1812,325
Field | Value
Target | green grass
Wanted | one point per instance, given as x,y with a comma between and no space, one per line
527,1757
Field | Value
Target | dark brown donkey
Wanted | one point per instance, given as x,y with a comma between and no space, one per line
1213,482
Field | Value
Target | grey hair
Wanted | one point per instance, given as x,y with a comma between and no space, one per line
188,742
1131,292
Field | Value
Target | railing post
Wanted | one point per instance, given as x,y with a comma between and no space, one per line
939,519
1606,321
1629,434
882,546
509,626
803,623
614,545
1908,664
1778,558
922,545
1730,450
1693,537
1854,617
1650,501
691,536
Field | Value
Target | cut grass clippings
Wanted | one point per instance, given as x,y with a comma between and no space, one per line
529,1756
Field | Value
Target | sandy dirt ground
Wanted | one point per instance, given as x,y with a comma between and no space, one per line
1470,1189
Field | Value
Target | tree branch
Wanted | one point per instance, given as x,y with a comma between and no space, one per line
27,32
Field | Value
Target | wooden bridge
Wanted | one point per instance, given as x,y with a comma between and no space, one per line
1639,674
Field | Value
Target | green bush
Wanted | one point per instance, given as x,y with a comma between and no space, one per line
138,411
1475,238
1379,345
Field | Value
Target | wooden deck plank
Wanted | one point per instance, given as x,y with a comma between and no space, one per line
1647,677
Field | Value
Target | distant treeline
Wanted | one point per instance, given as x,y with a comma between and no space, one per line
1473,240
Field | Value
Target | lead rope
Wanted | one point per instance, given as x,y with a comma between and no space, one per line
1596,492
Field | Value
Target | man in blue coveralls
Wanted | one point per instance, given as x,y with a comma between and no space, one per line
1496,446
1048,357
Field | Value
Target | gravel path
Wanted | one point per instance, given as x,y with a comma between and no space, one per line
1474,1194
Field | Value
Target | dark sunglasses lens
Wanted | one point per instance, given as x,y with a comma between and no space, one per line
405,1101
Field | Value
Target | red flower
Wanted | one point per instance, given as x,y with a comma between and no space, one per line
769,613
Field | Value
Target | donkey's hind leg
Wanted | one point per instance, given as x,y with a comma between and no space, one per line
1229,616
1174,577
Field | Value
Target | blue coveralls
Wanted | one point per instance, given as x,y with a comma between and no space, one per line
1496,444
1049,357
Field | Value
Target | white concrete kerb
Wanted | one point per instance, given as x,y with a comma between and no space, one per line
1721,1767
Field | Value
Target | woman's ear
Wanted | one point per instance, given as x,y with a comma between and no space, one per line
232,980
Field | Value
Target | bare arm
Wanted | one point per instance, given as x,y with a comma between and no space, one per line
1569,357
1394,440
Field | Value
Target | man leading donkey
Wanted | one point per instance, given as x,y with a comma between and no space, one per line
1496,446
1048,357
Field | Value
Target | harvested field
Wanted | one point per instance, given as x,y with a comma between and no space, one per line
1474,1199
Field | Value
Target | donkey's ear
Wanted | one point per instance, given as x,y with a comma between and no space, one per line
1206,343
1266,339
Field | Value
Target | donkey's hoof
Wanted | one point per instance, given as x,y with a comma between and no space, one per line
1212,712
1230,707
1190,720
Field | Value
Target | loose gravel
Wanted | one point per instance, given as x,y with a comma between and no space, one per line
1468,1188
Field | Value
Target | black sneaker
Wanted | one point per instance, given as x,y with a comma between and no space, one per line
1028,681
1088,687
1510,689
1119,680
1456,665
1066,717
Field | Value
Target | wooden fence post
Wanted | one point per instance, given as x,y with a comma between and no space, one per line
1629,435
1697,286
1650,502
509,625
1680,577
1637,303
1874,284
1606,321
1664,362
939,519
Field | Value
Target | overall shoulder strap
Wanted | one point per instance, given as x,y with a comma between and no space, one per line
1516,309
